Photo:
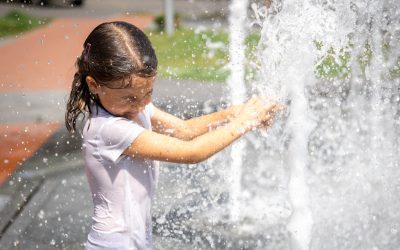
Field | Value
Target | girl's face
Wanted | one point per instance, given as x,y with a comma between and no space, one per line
125,102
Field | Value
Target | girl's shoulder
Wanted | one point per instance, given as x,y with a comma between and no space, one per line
104,124
106,136
101,120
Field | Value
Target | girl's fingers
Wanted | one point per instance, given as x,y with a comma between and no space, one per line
265,123
279,107
276,107
259,112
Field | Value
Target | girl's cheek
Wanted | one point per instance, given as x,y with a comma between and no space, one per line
147,101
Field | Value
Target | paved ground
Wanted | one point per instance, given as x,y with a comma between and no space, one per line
44,198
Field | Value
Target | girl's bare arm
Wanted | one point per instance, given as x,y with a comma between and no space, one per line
168,124
152,145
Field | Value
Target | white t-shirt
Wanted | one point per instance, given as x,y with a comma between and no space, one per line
122,186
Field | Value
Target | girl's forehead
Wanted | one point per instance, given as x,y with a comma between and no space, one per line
138,85
142,81
131,83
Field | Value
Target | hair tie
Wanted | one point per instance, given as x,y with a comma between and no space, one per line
86,52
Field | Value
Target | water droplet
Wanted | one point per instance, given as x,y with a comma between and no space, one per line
41,214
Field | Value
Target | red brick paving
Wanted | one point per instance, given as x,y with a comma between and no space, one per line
20,141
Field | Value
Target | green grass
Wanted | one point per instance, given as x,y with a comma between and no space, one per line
336,65
333,65
395,71
16,22
185,55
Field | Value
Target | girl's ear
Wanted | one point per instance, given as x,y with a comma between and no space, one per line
93,86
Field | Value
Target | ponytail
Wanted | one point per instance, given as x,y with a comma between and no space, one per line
79,100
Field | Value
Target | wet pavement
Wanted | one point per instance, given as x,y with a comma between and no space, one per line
44,198
46,202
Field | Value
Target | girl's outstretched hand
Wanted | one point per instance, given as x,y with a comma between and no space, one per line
258,112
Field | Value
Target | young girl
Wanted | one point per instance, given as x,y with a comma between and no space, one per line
125,134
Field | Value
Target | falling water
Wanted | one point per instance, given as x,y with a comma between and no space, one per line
326,176
374,72
342,123
237,34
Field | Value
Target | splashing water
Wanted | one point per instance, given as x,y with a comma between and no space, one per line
327,175
289,62
336,62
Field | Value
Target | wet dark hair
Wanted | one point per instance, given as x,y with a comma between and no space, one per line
113,52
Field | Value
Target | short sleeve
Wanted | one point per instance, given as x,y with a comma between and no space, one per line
150,109
116,136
